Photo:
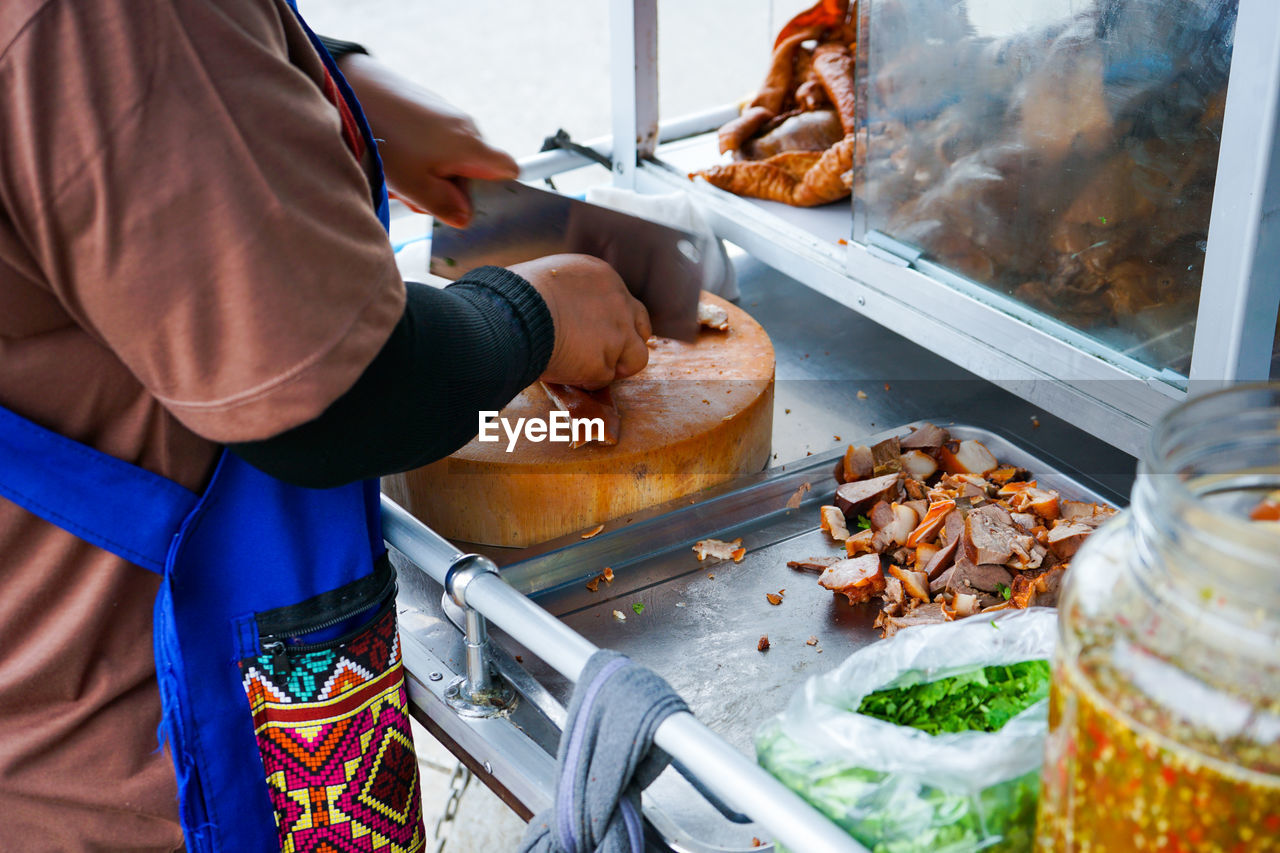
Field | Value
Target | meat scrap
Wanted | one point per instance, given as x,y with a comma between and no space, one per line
925,614
927,437
857,578
712,316
720,550
762,645
793,502
855,498
812,564
1268,509
1066,537
946,531
833,522
606,576
584,405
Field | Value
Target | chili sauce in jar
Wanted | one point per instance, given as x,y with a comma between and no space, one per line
1164,721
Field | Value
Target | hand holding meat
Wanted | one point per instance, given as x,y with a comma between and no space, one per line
600,328
429,148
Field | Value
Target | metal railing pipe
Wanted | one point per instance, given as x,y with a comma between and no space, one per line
723,770
545,164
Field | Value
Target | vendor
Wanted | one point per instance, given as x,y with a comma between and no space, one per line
191,259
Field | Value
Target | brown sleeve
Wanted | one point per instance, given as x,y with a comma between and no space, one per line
182,181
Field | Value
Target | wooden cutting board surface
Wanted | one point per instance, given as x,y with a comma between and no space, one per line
699,414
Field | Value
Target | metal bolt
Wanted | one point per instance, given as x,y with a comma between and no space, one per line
862,300
488,768
435,676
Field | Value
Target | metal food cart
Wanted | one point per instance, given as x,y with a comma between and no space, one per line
966,344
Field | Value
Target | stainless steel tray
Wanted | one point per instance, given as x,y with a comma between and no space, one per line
700,622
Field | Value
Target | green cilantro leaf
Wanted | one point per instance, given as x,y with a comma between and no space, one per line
864,523
1004,591
983,699
638,608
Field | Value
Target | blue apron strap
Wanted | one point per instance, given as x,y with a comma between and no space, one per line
122,508
381,202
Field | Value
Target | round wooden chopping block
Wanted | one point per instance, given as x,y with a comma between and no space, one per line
699,414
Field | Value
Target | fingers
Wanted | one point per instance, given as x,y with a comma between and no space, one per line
644,328
444,199
634,356
487,163
601,373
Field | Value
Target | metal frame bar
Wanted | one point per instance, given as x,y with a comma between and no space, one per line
724,771
549,163
1240,294
633,44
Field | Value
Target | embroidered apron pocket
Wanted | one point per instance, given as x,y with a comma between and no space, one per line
331,716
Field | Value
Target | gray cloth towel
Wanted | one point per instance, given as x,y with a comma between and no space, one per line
605,760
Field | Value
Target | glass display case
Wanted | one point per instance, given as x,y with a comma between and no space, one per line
1070,198
1062,155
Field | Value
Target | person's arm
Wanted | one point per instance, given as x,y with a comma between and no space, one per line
470,347
456,352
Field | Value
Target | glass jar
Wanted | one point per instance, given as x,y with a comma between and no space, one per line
1164,728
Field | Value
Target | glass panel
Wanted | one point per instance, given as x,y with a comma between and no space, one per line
1060,153
1275,355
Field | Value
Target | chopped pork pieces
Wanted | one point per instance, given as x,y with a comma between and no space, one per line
720,550
937,529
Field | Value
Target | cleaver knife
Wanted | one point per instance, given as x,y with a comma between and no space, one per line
663,267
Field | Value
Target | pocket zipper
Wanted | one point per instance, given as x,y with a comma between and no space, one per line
278,648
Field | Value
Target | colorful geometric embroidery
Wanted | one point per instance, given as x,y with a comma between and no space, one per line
333,732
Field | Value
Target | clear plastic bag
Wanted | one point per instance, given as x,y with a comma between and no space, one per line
898,789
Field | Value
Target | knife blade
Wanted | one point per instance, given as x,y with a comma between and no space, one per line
663,267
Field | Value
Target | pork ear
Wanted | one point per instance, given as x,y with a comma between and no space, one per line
920,465
833,522
941,561
927,437
854,499
857,579
925,614
915,583
857,463
886,456
966,457
1066,537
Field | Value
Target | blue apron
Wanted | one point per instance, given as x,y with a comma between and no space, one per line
274,630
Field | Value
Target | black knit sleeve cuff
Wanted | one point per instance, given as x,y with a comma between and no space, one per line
500,293
338,48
